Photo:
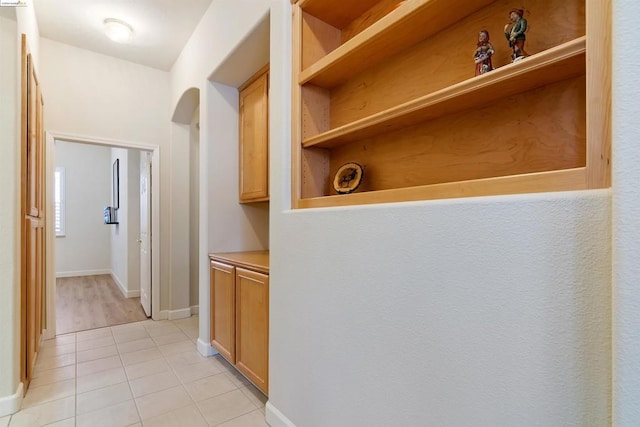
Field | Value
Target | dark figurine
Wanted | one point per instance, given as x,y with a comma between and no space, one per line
483,53
514,32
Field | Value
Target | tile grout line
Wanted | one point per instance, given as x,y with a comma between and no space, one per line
135,403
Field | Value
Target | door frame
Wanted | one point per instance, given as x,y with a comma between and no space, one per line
50,285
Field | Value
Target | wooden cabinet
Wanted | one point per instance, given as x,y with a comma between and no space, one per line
223,310
240,312
391,85
252,326
254,138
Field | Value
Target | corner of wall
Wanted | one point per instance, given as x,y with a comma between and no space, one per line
275,418
11,404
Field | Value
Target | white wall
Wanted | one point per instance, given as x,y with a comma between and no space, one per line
219,46
125,251
119,232
626,212
107,98
194,206
133,226
9,213
481,311
86,247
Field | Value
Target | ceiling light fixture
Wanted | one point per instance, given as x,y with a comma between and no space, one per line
118,31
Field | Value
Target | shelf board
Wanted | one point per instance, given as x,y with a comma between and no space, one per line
325,10
560,180
412,22
553,65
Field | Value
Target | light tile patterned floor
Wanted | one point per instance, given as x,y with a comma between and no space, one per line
140,374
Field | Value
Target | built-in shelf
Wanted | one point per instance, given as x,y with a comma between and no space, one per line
560,180
389,84
408,24
553,65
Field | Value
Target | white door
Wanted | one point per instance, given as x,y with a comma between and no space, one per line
145,232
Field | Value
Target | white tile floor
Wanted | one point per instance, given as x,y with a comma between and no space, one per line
145,373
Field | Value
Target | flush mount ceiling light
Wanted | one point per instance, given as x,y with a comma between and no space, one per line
118,31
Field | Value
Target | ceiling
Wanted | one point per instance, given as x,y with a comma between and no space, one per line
161,27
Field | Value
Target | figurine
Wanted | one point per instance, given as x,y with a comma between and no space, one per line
514,32
483,53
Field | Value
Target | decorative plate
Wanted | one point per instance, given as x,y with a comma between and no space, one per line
348,178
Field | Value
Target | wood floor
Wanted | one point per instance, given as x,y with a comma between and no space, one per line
90,302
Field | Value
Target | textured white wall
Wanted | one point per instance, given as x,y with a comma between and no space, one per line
481,311
108,98
626,208
9,213
86,246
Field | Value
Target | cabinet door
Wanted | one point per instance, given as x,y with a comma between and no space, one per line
254,141
34,290
223,319
252,326
33,142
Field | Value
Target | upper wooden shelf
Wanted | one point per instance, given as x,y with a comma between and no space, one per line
553,65
411,22
338,13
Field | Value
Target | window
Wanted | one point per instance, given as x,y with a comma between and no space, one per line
58,201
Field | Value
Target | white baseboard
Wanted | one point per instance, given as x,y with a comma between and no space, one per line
183,313
82,273
162,315
275,418
206,349
126,293
11,404
195,309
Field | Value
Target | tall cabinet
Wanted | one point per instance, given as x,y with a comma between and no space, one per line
33,216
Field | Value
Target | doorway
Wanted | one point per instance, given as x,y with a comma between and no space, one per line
114,284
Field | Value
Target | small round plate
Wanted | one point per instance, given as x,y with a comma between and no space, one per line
348,178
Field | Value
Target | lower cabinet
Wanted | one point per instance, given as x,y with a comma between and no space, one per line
240,312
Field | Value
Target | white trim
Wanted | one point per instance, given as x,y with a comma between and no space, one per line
11,404
195,309
183,313
122,288
275,418
82,273
50,238
206,349
162,315
51,136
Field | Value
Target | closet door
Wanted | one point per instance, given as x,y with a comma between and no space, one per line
32,231
33,298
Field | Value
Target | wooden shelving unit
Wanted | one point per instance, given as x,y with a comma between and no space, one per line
559,63
390,85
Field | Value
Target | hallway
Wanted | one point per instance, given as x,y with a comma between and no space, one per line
145,373
90,302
